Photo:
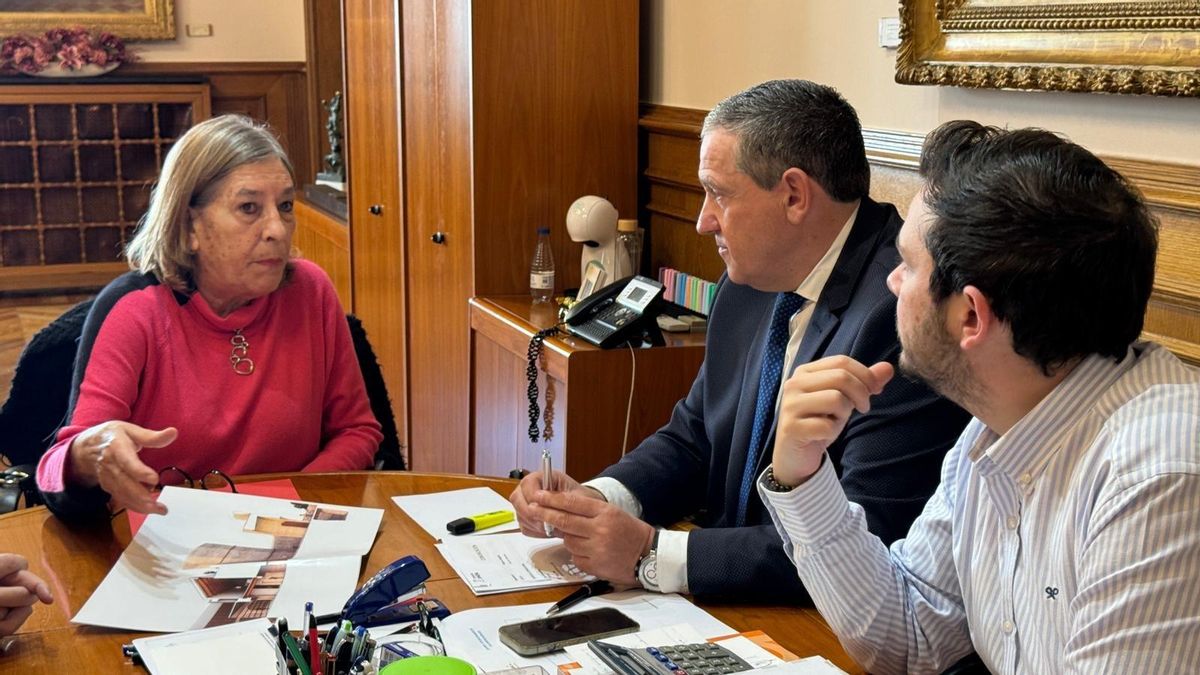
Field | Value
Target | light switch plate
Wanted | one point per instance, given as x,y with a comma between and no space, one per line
201,30
889,32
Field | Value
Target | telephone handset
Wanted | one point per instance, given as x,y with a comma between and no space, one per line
618,313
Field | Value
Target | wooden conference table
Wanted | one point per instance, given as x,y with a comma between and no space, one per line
74,560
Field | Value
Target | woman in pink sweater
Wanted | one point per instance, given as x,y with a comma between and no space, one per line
224,353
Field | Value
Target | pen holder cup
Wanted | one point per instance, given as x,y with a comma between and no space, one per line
429,665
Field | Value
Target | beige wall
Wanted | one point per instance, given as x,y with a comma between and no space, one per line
243,30
695,52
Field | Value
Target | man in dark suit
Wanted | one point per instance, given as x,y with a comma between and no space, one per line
807,255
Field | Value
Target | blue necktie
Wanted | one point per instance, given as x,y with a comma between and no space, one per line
786,305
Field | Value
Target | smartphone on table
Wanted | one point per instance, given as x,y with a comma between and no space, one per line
552,633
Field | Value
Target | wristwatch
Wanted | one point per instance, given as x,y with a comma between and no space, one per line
647,565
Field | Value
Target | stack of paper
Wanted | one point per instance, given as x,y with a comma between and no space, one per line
511,562
502,560
432,511
218,558
236,649
472,634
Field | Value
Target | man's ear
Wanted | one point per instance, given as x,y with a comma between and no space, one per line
979,322
797,189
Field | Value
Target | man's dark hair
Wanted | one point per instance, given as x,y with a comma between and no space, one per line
1062,246
782,124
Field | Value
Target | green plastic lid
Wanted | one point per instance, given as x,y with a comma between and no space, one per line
429,665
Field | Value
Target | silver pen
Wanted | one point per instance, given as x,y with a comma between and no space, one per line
547,483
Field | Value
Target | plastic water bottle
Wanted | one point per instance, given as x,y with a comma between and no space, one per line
629,248
541,271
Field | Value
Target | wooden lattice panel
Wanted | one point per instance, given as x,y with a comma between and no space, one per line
76,166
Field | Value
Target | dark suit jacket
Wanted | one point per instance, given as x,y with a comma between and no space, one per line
888,459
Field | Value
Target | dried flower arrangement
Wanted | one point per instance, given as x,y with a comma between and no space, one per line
71,50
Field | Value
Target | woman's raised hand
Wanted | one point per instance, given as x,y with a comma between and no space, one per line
107,455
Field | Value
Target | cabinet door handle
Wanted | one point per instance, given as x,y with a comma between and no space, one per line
375,209
438,237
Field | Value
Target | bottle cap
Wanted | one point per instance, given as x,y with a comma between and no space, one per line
627,225
543,230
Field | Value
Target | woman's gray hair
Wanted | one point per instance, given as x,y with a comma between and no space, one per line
194,167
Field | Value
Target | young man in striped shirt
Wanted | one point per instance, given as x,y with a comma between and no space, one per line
1065,533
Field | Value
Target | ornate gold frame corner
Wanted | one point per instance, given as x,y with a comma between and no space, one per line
1124,47
155,22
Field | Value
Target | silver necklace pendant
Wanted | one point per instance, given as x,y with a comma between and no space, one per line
242,365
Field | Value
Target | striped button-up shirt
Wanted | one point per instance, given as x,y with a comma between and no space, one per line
1069,544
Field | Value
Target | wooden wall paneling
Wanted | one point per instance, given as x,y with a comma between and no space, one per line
323,46
1172,190
437,154
325,240
275,92
672,193
376,174
545,136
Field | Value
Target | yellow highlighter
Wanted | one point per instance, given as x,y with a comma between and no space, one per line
479,522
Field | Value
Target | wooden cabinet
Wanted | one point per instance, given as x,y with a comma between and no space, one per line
325,239
376,196
76,165
470,124
588,390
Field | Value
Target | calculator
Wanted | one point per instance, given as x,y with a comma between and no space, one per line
703,658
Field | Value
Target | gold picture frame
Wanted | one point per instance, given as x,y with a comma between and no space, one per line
1125,47
127,19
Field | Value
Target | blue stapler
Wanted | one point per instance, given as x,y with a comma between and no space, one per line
394,595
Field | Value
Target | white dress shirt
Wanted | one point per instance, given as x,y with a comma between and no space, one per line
1071,544
671,554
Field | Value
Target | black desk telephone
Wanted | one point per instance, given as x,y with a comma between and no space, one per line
618,313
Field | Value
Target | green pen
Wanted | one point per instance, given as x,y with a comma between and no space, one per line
294,650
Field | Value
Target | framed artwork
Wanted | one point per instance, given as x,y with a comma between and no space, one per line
127,19
1116,46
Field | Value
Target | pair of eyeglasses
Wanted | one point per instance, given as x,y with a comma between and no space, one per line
177,477
428,626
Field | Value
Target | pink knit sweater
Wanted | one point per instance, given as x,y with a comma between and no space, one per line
157,363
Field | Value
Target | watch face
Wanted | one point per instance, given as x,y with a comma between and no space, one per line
648,572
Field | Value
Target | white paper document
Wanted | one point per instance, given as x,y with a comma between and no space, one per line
218,558
813,665
473,634
234,649
511,562
432,511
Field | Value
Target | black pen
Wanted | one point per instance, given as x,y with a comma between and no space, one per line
597,587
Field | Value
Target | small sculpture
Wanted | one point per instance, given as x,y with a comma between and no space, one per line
334,166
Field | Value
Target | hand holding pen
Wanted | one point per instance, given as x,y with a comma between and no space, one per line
525,500
525,505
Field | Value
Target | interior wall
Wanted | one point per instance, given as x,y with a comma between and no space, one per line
696,52
242,30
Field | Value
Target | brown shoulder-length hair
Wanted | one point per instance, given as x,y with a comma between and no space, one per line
194,167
